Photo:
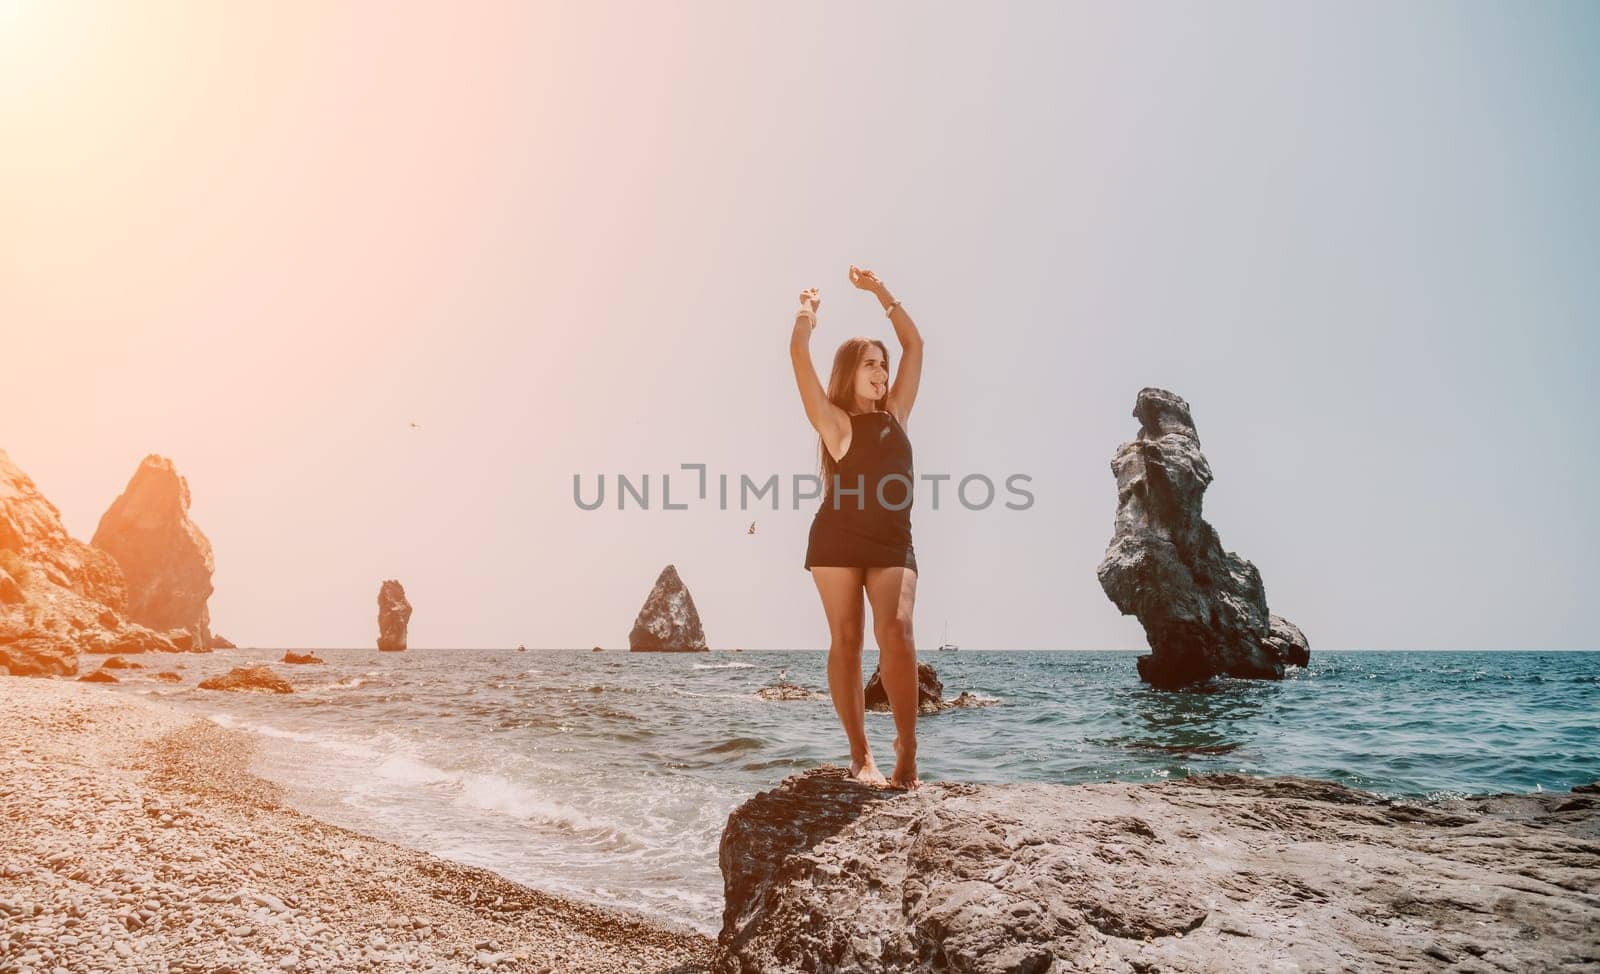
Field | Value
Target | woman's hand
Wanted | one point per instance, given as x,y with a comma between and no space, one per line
866,280
809,301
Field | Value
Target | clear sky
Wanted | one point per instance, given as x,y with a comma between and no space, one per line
1362,240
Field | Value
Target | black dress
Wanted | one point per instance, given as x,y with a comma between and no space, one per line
863,530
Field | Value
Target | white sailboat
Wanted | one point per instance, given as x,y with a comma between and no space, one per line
945,645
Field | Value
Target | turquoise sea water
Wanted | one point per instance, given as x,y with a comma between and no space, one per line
609,776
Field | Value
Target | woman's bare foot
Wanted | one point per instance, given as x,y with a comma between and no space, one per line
905,766
866,771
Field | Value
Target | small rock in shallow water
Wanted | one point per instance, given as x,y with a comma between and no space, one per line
789,691
257,678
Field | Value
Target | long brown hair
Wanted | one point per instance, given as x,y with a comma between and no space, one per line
841,392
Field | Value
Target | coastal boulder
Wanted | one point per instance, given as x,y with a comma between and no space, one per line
219,641
1286,642
37,653
128,639
1212,873
930,693
165,558
394,615
98,676
259,678
290,656
184,641
930,690
668,622
1203,609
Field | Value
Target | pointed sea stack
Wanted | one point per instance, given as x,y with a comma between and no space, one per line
1203,609
165,558
394,614
668,622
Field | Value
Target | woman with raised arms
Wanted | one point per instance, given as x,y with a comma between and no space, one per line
860,539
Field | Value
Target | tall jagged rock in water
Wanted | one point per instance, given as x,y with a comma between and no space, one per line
668,622
165,558
394,614
1203,609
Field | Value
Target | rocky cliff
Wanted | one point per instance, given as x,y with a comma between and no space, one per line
54,590
1204,610
32,533
667,621
394,616
60,597
1217,873
164,555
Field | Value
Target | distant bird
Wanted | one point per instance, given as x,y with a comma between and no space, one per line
752,528
416,426
783,676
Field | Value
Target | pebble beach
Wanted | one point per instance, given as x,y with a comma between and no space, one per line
134,838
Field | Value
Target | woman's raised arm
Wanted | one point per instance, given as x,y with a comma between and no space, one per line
903,393
830,422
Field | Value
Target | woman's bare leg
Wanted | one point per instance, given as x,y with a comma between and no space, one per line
847,618
893,594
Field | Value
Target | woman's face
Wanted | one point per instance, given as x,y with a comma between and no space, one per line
872,376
